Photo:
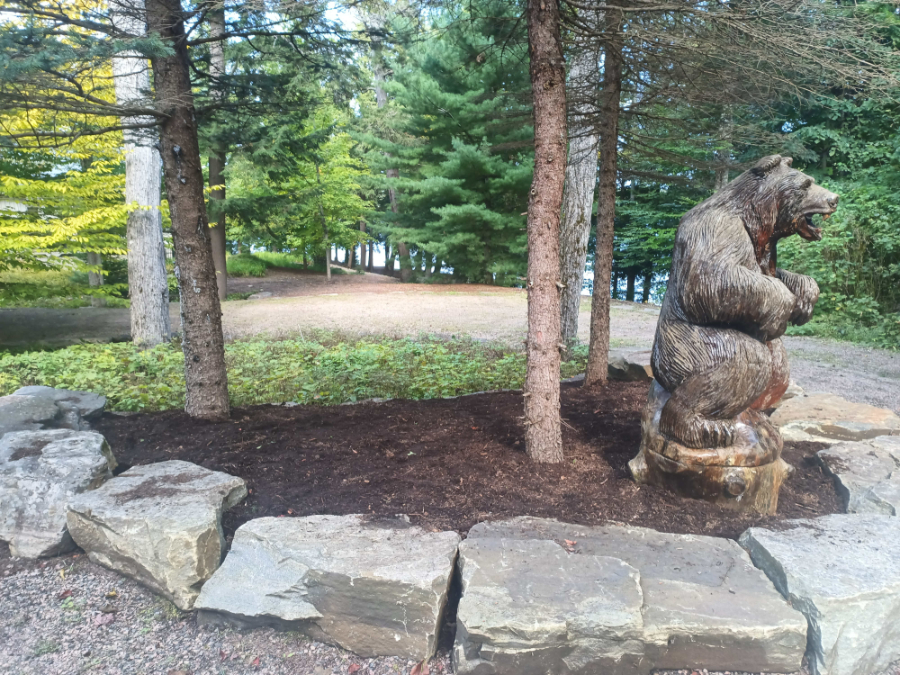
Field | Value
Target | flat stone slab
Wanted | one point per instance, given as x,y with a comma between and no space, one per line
827,418
26,413
867,474
160,524
630,365
374,588
543,596
843,573
84,404
40,471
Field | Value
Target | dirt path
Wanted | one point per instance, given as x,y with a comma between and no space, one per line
373,303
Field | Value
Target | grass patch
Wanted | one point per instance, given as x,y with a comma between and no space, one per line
257,264
324,369
245,265
884,332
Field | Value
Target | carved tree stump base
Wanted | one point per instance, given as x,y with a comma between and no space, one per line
745,476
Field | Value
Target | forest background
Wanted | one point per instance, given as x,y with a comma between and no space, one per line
403,132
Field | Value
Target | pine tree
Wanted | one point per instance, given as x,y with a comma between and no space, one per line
461,135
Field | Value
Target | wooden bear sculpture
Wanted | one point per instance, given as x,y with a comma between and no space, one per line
717,357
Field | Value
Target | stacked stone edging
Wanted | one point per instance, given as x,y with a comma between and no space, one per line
616,600
40,472
160,524
373,587
843,573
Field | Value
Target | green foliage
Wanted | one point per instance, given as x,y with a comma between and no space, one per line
55,288
257,264
328,369
246,265
458,127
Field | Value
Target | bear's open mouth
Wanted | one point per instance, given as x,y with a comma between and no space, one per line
808,229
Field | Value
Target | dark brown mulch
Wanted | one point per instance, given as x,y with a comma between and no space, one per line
447,463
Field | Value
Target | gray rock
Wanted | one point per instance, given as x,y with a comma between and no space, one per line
543,596
160,524
40,471
82,404
630,365
26,413
793,391
828,418
376,589
867,474
843,573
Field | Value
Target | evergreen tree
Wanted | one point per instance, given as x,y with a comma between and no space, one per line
461,138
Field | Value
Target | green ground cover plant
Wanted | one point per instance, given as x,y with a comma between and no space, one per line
325,369
59,289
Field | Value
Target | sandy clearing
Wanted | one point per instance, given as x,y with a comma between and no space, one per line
353,305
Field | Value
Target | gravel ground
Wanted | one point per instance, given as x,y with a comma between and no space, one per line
66,615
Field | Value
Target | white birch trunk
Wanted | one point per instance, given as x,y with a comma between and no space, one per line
578,198
148,288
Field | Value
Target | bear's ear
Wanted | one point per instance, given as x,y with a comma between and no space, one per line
766,165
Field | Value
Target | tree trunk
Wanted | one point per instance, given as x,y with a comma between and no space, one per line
648,283
148,288
362,247
631,278
324,230
95,279
578,198
543,432
598,350
723,155
217,154
371,256
201,313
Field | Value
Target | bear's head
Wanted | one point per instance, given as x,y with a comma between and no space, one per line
777,201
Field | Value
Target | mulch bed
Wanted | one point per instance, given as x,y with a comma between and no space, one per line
449,463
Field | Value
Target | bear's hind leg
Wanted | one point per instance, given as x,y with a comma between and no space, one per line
700,412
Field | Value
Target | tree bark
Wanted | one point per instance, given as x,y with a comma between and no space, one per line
598,349
362,247
648,283
543,432
201,313
324,230
95,279
148,288
578,198
631,278
371,256
217,154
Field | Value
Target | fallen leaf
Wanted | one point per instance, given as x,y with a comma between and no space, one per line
179,672
353,668
255,663
570,543
223,654
65,594
104,619
421,668
112,594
